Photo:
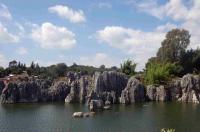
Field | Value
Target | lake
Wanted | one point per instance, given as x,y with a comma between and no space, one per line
57,117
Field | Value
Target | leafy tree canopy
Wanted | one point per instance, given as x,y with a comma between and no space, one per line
128,67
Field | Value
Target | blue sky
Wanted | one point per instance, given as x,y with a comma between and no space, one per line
92,32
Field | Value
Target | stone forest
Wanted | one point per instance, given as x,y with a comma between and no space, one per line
173,75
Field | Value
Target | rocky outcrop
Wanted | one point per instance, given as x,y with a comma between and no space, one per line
58,91
24,91
77,114
2,85
160,93
81,114
79,90
96,105
105,88
185,89
190,85
72,88
134,92
108,86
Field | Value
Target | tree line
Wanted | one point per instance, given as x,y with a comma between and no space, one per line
173,59
52,71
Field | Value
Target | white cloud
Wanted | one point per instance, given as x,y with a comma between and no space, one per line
61,57
173,8
97,60
166,27
104,5
22,50
3,60
177,10
21,29
74,16
138,44
50,36
142,45
4,12
6,37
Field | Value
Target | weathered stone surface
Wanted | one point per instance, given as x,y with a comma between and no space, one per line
73,87
185,89
58,91
107,107
175,89
79,90
160,93
2,85
89,114
190,85
77,114
134,92
163,93
108,86
151,92
96,105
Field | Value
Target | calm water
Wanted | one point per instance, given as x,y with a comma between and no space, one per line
56,117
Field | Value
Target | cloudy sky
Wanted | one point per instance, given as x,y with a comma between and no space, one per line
92,32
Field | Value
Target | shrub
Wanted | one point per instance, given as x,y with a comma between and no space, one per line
128,67
158,73
167,130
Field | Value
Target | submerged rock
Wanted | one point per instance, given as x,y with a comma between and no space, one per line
77,114
96,105
107,107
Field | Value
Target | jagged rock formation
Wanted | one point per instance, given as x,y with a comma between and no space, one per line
58,91
96,105
79,89
2,85
186,89
134,92
108,86
190,85
160,93
73,86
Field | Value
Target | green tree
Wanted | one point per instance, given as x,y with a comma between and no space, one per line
1,71
128,67
158,73
114,68
173,46
60,69
191,61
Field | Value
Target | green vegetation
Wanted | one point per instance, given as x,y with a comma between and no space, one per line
158,73
1,71
53,71
128,67
173,46
172,58
190,61
167,130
